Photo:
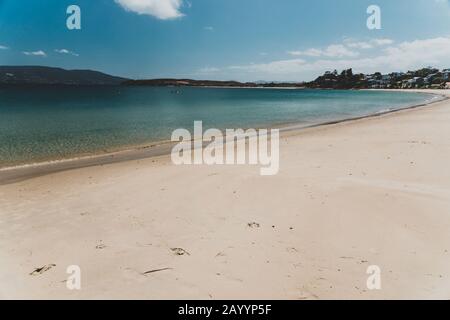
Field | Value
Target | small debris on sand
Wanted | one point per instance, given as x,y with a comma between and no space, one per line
253,225
41,270
180,251
221,254
155,270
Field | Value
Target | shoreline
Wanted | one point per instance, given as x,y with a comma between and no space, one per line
20,172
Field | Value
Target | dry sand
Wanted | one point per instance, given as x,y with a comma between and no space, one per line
368,192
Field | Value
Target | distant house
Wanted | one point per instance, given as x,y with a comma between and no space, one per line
446,74
429,78
372,82
384,82
418,80
413,83
404,84
397,74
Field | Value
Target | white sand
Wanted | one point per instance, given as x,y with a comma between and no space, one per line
369,192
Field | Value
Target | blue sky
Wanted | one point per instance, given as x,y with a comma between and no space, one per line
244,40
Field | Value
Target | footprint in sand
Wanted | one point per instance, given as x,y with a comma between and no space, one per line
179,251
100,246
253,225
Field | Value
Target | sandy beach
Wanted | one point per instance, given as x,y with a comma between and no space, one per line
373,191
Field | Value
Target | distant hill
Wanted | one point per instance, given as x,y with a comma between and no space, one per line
208,83
37,75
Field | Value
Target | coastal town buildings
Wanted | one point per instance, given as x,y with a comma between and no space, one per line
427,78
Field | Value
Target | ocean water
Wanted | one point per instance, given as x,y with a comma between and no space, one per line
48,123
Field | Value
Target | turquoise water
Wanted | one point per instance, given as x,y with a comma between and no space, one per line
43,123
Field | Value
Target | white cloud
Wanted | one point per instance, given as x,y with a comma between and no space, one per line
35,53
382,42
351,43
3,47
338,50
400,57
443,5
161,9
332,51
309,53
360,45
65,51
207,70
409,54
282,66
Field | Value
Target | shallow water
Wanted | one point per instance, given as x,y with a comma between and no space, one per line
43,123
